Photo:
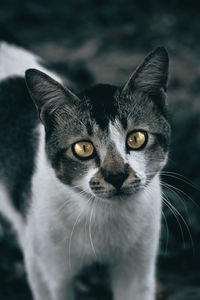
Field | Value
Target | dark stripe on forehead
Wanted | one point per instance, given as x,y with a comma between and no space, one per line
100,100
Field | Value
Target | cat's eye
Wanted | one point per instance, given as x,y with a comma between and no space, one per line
83,149
137,140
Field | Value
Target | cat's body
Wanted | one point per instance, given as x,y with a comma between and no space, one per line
100,210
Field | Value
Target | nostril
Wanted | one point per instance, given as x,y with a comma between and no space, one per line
116,179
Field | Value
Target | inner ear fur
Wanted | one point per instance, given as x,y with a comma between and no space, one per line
48,95
151,76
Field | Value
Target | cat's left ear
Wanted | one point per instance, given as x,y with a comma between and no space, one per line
152,75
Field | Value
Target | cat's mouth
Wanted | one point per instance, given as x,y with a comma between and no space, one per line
109,192
116,186
113,194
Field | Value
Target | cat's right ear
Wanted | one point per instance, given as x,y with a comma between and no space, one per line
49,95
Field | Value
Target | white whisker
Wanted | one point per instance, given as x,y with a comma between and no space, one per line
173,210
70,240
179,177
182,192
90,231
178,195
183,220
167,232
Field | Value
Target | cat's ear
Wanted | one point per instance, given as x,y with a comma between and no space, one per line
152,75
48,95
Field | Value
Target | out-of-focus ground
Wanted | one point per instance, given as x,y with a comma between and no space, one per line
103,41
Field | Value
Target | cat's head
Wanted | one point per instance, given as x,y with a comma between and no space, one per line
107,141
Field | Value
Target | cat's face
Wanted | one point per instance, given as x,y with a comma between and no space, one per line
107,142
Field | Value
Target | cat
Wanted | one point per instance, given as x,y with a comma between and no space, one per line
79,175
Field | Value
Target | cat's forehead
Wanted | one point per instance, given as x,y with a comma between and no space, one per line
103,114
99,104
103,104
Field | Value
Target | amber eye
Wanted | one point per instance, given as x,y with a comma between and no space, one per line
83,149
137,140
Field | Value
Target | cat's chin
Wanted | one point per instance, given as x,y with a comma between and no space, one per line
124,194
118,196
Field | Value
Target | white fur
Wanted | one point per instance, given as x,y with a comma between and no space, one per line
135,159
14,61
118,139
83,183
45,183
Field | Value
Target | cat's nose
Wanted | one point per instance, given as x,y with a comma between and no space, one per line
116,179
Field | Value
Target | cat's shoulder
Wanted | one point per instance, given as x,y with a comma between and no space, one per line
15,60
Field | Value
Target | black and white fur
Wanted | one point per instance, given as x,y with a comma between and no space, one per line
64,222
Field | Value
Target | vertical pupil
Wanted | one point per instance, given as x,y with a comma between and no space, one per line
135,139
84,148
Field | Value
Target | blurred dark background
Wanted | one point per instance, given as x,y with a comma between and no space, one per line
103,41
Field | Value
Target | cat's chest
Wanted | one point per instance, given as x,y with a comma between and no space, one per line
86,235
63,221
